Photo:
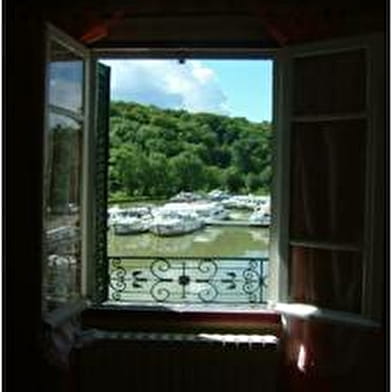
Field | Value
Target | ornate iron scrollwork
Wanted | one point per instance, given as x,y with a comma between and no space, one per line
118,279
187,280
208,267
159,267
252,281
159,292
208,294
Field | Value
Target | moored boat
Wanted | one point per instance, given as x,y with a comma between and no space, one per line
131,225
170,223
131,221
261,216
206,211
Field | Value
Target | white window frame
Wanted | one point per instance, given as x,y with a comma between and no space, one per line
371,307
202,53
53,34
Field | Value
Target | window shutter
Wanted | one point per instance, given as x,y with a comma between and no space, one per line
100,180
329,136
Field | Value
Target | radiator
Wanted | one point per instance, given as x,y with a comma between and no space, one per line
144,362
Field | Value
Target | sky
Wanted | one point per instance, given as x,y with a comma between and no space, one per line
238,88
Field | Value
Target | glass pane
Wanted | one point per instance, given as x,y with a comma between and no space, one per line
333,83
66,75
62,209
327,183
330,279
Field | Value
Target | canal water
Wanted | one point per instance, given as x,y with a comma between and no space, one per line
211,241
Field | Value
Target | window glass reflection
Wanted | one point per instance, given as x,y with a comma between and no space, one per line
66,73
62,223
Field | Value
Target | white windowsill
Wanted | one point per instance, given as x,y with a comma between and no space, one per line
310,312
183,308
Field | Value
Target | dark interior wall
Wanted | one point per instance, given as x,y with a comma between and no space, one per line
324,356
23,104
170,366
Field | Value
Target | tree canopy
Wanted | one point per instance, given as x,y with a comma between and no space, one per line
158,153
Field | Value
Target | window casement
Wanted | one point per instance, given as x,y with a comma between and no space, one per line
326,232
77,91
328,226
65,169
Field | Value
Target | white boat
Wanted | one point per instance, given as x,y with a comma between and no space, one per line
262,212
218,195
261,216
239,201
131,225
131,221
206,211
186,197
246,201
170,223
113,214
210,212
262,201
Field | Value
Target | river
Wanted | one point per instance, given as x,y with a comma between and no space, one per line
224,241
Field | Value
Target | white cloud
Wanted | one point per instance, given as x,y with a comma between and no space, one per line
167,83
65,84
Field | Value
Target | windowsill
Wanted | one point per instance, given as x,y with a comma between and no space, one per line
183,318
310,312
190,318
199,308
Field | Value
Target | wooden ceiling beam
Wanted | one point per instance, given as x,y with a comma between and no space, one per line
169,28
279,22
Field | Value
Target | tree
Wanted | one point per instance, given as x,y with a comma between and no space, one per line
253,182
128,169
234,179
157,152
158,176
65,161
213,178
187,171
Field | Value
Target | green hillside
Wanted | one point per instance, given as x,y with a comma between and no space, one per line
157,153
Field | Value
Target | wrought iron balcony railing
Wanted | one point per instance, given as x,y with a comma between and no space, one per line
188,280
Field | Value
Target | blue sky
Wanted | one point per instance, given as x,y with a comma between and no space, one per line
239,88
247,85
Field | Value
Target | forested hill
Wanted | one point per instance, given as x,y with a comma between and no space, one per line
157,153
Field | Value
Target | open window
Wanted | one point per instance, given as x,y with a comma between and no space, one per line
66,132
189,182
330,174
75,170
326,232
